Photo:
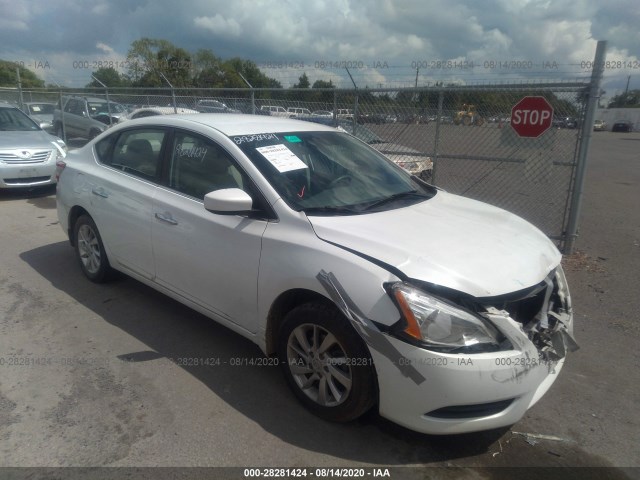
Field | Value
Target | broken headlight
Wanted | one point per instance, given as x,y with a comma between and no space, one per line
437,323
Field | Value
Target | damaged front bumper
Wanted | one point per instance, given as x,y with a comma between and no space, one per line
471,392
442,392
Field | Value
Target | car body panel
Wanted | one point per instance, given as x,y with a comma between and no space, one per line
419,239
208,271
154,111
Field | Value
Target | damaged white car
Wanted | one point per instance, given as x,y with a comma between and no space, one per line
369,287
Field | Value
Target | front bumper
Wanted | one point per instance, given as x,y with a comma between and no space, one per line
465,392
27,175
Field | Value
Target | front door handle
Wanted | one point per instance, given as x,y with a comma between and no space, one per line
100,192
166,218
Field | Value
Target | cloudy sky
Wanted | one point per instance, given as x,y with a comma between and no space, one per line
383,41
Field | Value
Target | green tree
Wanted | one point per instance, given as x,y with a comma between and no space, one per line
325,96
631,99
110,77
208,70
149,59
303,81
9,77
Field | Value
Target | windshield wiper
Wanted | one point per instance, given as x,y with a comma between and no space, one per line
330,211
397,196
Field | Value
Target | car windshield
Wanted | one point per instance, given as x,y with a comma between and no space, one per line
41,108
363,133
12,119
97,108
331,173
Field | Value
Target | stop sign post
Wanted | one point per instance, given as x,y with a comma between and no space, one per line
531,116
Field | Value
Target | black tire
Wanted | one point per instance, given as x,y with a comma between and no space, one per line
90,250
93,134
328,371
59,131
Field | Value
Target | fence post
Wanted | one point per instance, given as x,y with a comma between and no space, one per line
335,108
585,141
64,128
20,99
435,143
253,102
106,89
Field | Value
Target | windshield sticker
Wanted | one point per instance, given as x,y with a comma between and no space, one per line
254,138
292,139
282,158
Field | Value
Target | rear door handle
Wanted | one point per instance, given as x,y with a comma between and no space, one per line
100,192
166,218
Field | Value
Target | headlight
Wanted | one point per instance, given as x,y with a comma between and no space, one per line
563,289
61,149
440,324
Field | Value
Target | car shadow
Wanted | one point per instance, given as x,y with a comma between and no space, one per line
172,330
37,195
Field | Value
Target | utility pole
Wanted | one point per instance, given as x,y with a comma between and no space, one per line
626,90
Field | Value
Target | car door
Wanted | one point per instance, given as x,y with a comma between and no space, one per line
73,116
209,259
122,194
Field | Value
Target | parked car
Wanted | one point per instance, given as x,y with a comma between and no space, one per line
213,106
274,111
322,113
368,287
411,160
564,122
85,117
622,126
599,126
28,154
42,114
152,112
370,117
345,113
297,111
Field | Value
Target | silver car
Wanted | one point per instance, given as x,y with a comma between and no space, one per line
41,113
28,154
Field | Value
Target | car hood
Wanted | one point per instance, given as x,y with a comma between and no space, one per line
406,157
452,241
32,139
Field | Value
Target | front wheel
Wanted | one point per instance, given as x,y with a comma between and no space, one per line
326,363
90,250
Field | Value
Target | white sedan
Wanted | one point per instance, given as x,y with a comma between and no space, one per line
370,288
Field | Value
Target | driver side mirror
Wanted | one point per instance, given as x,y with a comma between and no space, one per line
228,201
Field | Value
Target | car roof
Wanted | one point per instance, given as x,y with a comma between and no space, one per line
235,124
162,110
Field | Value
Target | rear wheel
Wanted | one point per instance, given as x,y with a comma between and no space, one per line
326,363
90,250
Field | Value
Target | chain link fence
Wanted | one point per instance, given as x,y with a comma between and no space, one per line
464,130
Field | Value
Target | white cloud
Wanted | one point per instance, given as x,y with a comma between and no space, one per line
219,25
104,47
564,31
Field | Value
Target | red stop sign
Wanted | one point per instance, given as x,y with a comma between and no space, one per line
531,116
